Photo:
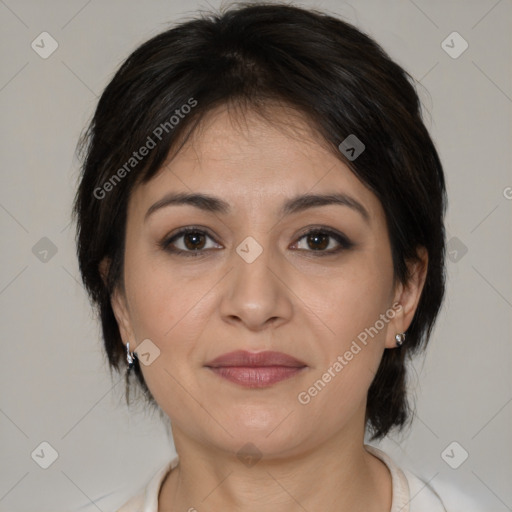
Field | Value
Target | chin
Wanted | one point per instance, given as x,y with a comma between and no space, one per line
267,432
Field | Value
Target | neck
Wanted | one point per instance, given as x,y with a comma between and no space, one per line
332,477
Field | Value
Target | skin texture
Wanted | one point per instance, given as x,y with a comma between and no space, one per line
289,299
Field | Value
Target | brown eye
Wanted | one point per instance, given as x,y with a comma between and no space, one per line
194,240
324,241
317,241
189,242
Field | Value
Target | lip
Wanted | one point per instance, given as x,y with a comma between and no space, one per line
255,369
255,359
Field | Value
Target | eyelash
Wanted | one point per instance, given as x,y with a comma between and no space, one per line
344,242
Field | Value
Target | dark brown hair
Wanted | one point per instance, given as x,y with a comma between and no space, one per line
337,77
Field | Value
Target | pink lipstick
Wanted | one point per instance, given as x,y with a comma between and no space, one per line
255,369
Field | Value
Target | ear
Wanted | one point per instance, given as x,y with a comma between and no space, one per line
119,305
103,269
407,296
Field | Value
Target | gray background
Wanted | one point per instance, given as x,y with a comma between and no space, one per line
54,383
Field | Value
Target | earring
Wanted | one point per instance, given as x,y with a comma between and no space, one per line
400,338
130,357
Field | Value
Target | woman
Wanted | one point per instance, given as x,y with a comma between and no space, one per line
260,224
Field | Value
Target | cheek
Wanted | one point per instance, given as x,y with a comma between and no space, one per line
354,309
352,350
351,302
170,310
162,301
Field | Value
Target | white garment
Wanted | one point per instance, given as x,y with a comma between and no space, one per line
410,494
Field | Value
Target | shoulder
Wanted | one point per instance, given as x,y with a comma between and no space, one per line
147,499
453,498
413,494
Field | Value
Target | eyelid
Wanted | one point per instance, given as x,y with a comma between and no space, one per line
343,241
170,238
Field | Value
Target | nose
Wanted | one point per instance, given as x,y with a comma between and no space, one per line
256,293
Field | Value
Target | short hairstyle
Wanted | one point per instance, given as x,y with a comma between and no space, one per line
249,56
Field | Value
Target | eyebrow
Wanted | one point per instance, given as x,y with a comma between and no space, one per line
296,204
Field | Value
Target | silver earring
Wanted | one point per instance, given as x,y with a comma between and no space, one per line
130,357
400,338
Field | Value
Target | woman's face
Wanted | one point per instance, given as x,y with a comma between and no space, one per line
248,277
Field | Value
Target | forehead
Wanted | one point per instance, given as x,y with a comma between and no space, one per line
251,160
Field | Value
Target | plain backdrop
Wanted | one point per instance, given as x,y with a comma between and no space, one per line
55,387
